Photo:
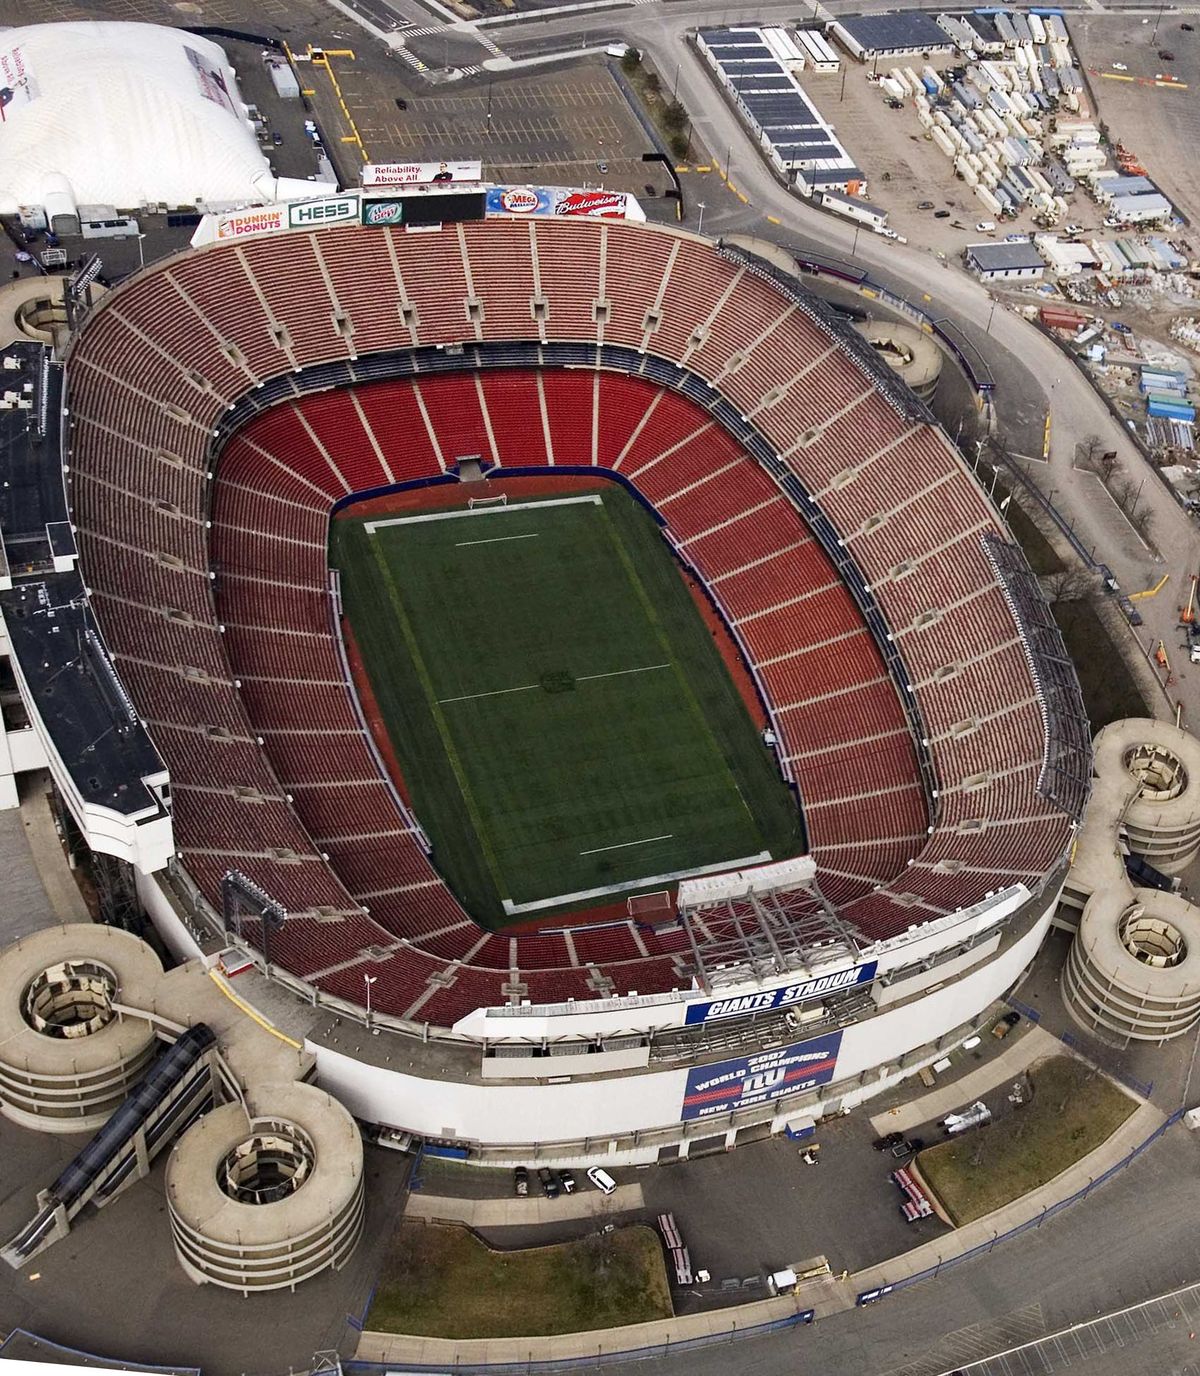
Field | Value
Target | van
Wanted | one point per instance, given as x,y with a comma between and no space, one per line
602,1180
972,1117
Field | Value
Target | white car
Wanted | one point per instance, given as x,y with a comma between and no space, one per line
1119,67
1074,229
985,226
602,1180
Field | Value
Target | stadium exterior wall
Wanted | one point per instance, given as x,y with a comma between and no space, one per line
632,1119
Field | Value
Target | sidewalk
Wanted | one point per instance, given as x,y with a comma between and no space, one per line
1035,1044
504,1213
826,1296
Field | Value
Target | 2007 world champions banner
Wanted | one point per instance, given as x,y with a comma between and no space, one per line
712,1090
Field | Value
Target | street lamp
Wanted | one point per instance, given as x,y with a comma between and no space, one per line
368,980
991,313
701,206
141,252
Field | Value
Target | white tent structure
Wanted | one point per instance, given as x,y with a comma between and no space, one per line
126,115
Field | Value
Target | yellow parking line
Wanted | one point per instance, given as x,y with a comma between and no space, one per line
703,167
1116,76
250,1012
774,220
355,137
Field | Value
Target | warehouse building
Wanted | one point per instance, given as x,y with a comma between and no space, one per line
870,36
755,67
1006,262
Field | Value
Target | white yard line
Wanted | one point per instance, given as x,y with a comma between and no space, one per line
496,693
622,845
618,673
590,499
528,687
495,540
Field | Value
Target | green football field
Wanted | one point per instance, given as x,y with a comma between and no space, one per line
565,724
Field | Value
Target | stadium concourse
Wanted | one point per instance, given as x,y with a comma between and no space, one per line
224,402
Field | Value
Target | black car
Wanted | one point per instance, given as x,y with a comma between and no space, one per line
890,1142
401,103
568,1181
941,214
549,1182
521,1181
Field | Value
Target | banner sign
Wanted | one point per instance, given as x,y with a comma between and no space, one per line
713,1090
420,173
519,200
819,986
384,211
261,220
607,205
211,81
558,200
17,83
330,211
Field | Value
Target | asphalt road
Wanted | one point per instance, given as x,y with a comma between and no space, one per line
1133,1239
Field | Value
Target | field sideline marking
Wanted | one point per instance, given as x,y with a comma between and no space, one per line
591,499
495,540
512,909
622,845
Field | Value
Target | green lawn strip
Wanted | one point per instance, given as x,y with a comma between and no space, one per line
1110,691
682,679
1073,1110
442,1281
439,718
772,803
406,709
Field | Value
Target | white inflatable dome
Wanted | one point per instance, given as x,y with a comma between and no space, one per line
127,114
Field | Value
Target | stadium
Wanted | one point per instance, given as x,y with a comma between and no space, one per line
561,654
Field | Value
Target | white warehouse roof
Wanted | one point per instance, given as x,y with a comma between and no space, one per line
127,114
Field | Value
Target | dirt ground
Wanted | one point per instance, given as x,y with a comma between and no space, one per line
1158,122
891,143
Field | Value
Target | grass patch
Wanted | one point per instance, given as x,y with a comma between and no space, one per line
1110,691
1072,1111
441,1281
1038,550
665,110
562,716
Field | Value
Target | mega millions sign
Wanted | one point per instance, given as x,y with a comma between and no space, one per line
744,1081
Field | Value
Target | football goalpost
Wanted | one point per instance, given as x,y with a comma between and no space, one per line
650,907
474,503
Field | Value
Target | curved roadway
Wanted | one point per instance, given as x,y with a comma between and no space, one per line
1032,375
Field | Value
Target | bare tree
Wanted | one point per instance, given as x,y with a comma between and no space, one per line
1088,451
1124,492
1066,585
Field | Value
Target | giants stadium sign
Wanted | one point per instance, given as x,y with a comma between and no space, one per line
744,1004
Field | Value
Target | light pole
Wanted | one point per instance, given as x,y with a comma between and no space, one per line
701,206
141,252
991,313
368,980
